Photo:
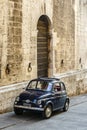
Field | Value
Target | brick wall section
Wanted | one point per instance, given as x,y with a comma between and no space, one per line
63,21
14,48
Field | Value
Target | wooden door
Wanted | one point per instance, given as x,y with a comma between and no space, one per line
42,48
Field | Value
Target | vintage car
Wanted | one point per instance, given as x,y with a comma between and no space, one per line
44,95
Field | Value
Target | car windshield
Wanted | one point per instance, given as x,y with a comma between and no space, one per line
40,85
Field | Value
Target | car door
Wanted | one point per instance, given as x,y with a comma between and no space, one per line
57,95
63,94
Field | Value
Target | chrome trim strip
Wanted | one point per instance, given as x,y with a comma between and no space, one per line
29,108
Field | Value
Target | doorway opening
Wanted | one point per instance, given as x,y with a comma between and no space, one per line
43,46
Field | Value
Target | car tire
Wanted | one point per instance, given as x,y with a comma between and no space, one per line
66,106
18,111
47,112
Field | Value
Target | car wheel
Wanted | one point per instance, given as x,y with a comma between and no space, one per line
47,112
18,111
66,106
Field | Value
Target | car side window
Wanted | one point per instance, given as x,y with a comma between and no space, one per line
57,87
32,85
63,86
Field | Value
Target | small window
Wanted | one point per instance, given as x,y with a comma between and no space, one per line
63,86
57,87
32,85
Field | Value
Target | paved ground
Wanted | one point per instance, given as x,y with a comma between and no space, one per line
74,119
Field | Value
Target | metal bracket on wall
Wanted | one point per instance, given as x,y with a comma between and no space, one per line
7,70
29,67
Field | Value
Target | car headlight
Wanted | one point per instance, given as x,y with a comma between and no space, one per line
39,102
17,98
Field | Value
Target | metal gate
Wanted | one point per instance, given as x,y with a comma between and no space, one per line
42,48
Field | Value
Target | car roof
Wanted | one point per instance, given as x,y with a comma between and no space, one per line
47,79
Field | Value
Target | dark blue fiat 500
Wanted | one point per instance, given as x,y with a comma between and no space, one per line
44,95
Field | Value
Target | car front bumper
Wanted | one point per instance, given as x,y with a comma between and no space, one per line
29,108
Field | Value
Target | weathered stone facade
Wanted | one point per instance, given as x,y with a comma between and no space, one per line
14,47
66,40
10,45
64,25
3,36
81,34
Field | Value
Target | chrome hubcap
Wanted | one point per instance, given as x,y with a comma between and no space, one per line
48,112
67,105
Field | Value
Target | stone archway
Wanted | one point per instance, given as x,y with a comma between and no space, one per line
43,46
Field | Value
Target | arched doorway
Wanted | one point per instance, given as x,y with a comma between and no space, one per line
43,46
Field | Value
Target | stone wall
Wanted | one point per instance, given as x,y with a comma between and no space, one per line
11,41
14,47
8,94
18,37
81,33
21,46
75,81
64,25
1,32
3,38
